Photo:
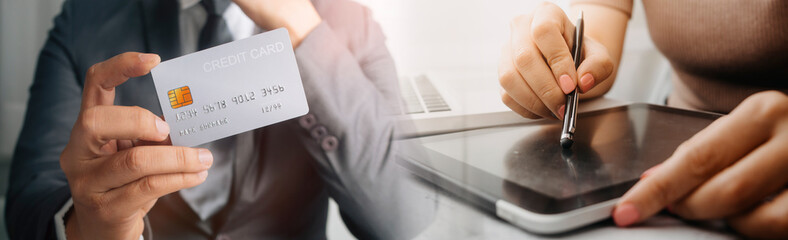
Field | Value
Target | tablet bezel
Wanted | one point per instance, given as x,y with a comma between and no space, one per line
483,189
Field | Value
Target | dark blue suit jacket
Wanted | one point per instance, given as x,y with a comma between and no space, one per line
350,83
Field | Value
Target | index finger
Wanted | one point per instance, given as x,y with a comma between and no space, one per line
102,78
135,163
693,163
553,37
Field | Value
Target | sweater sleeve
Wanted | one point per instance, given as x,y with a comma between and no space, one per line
624,6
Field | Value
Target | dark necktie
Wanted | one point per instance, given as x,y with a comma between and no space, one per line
215,31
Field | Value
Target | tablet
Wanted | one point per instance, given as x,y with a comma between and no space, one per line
521,173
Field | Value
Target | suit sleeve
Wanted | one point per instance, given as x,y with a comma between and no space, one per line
38,187
352,90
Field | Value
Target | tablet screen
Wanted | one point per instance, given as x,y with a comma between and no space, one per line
611,147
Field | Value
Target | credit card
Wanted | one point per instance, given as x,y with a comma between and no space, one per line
230,89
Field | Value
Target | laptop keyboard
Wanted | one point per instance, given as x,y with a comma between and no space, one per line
419,95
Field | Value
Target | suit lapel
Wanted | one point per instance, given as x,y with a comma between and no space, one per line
162,35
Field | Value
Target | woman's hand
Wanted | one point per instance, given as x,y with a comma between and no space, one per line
536,69
298,16
736,169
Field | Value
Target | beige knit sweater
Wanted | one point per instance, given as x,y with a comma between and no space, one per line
722,51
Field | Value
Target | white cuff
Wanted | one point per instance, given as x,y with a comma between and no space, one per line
60,223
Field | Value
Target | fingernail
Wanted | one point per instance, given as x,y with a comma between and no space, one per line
561,112
162,126
649,171
203,174
567,85
147,57
587,82
206,158
625,214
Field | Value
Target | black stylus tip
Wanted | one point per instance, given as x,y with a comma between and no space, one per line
566,142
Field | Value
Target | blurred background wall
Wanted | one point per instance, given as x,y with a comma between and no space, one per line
423,35
467,35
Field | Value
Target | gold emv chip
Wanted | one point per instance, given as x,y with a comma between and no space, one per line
180,97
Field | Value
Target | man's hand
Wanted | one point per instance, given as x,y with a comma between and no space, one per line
116,162
735,169
298,16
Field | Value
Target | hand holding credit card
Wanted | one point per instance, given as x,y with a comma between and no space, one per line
230,89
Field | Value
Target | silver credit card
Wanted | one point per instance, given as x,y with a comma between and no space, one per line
230,89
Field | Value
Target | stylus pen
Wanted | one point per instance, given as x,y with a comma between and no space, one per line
570,111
